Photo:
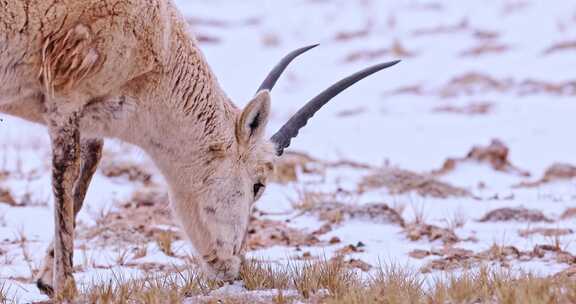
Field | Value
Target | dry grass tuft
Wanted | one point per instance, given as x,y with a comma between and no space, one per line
457,258
292,164
257,275
485,48
153,288
474,108
310,279
519,214
550,232
332,282
568,213
474,83
556,172
390,284
287,168
127,170
7,198
397,49
125,226
314,278
496,154
311,200
264,233
335,212
489,286
417,231
399,181
4,288
561,46
395,284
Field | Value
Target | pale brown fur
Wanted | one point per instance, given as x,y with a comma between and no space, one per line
129,69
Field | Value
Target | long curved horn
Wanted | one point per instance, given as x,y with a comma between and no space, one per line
290,129
277,71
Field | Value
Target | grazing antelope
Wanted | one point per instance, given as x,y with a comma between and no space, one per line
130,70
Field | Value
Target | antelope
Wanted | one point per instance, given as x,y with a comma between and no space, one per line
131,70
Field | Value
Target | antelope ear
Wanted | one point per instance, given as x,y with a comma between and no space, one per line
252,123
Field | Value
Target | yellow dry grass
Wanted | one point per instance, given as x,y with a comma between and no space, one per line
332,282
4,294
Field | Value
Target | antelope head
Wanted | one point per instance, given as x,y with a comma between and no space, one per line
222,215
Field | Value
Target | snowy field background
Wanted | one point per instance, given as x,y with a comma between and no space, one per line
496,75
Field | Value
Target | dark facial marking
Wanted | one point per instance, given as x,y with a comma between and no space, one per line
210,210
257,188
254,124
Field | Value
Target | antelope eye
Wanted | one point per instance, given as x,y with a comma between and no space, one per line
257,188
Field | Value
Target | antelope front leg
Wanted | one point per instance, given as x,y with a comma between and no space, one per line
91,151
65,136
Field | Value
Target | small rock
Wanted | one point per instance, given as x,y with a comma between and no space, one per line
334,240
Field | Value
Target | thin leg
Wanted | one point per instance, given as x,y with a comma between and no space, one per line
91,153
65,136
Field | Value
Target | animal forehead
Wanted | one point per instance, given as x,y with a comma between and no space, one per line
263,166
255,163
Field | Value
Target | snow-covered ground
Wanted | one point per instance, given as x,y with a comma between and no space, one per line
472,71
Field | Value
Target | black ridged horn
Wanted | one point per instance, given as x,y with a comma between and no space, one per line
290,129
277,71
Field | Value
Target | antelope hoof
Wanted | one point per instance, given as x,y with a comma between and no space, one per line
45,288
45,276
225,269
